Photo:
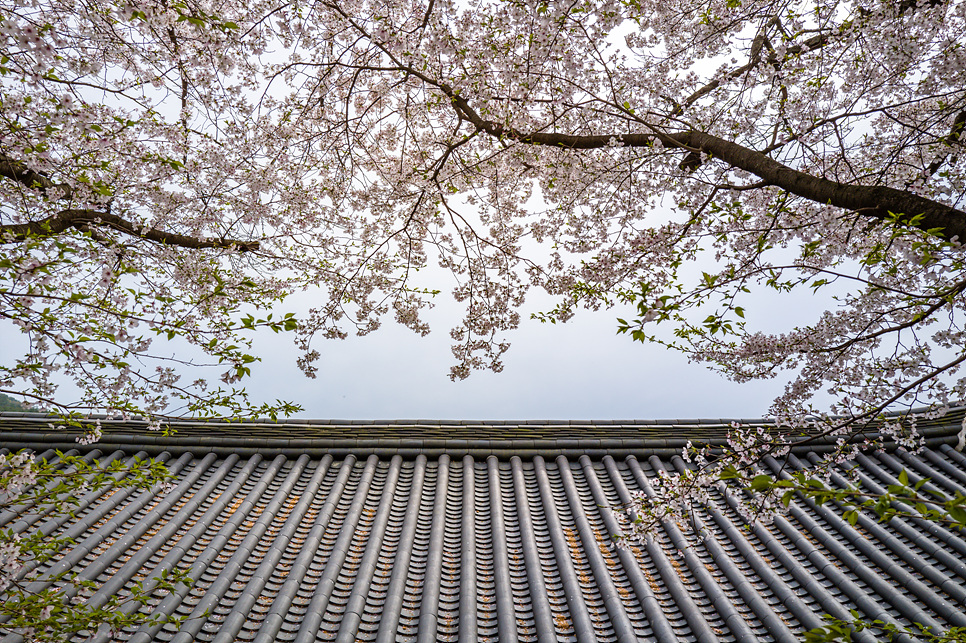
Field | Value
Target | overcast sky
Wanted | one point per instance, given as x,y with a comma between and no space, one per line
578,370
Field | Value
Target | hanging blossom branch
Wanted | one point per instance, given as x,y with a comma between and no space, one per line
42,606
879,202
674,496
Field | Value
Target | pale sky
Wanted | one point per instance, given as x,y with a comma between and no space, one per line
578,370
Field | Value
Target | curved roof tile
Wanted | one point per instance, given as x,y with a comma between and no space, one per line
442,542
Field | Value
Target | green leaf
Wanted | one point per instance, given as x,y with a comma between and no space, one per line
958,514
761,482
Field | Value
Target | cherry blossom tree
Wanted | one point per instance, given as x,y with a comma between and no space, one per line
171,168
126,174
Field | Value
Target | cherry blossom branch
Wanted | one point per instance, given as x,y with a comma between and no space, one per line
918,318
19,172
813,43
875,412
879,202
953,138
84,220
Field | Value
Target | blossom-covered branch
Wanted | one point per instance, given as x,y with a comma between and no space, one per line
876,201
87,220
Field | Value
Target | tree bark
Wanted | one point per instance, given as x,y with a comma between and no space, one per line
874,201
19,172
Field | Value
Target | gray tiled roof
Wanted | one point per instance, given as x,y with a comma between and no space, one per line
449,544
502,438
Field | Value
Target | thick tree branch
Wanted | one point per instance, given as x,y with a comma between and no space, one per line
19,172
873,201
87,219
906,5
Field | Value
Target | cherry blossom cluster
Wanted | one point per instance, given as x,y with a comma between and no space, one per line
673,496
17,471
10,561
733,469
92,435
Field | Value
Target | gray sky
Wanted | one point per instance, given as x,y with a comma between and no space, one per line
578,370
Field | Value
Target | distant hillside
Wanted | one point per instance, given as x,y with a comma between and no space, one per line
7,403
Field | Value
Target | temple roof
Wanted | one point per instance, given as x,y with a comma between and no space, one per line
418,531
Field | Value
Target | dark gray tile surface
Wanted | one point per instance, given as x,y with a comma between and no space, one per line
453,547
